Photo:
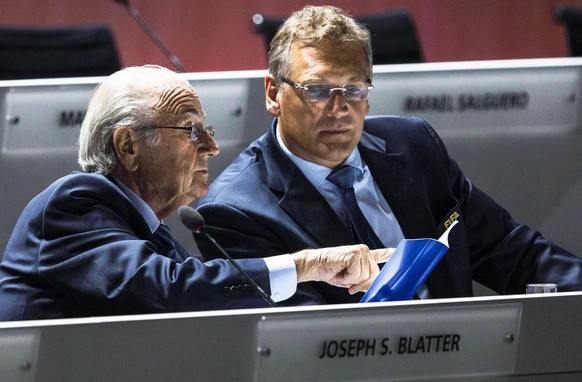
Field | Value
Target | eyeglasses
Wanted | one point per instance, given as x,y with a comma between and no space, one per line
323,92
197,130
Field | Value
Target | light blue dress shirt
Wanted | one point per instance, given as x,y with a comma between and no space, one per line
370,200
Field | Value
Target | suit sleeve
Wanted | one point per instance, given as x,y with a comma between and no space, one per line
94,251
245,237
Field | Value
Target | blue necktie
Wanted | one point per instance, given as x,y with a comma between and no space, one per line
163,241
344,178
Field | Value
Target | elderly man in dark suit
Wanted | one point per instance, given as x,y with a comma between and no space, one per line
94,243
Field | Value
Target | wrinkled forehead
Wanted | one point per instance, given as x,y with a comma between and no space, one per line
177,99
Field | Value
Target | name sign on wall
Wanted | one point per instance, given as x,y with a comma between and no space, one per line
363,346
44,118
49,118
516,100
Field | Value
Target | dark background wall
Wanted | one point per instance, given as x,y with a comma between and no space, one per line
216,35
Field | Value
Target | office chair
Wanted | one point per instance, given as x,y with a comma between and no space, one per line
394,37
571,19
27,52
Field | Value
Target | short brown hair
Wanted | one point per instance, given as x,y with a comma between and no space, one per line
308,27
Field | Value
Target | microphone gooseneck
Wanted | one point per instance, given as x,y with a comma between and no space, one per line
152,35
195,223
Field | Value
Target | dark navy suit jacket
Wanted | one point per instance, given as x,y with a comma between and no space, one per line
263,205
81,248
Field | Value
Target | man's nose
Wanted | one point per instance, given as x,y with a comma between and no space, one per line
209,146
337,104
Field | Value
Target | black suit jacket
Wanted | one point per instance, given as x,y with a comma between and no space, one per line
263,205
81,248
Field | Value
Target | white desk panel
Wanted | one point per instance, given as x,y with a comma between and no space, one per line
527,338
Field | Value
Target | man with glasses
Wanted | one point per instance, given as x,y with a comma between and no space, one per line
94,243
325,174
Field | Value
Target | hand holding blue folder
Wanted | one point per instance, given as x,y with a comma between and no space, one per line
408,267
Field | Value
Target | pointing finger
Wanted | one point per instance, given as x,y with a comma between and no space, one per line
382,255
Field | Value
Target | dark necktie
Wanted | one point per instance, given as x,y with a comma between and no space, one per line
344,178
163,241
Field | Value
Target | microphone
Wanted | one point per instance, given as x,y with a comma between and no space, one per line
195,223
152,35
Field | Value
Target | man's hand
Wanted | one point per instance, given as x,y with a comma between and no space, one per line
353,266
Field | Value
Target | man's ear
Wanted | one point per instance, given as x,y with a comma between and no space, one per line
126,149
271,92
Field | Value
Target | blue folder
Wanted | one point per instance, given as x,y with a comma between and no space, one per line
407,269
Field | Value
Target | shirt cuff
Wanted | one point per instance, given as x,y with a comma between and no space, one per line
282,276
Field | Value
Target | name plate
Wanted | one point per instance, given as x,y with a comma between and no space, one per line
44,119
49,118
366,345
526,100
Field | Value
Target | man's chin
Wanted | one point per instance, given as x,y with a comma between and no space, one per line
198,192
337,153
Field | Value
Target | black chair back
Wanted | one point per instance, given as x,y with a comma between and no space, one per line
571,19
394,36
48,52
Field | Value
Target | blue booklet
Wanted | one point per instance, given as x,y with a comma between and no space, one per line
407,268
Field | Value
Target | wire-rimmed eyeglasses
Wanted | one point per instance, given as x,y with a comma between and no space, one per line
323,92
196,130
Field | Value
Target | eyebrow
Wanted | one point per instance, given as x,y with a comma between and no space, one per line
192,110
319,80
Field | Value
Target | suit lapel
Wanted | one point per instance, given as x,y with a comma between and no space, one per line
401,190
311,211
400,186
